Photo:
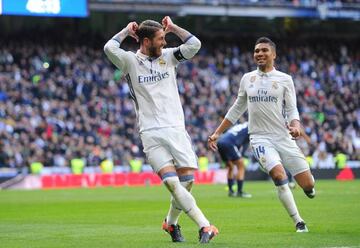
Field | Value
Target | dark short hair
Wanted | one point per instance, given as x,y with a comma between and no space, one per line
147,29
267,41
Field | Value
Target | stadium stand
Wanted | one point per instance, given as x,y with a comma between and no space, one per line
322,9
58,102
61,99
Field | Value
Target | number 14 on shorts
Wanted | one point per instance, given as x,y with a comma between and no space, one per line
259,152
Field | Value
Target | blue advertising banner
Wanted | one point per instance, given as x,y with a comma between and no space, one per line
55,8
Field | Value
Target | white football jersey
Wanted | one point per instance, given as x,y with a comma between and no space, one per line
271,101
152,82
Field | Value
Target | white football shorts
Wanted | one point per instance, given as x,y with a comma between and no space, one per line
271,151
168,146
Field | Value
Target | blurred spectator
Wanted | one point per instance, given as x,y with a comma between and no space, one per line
58,103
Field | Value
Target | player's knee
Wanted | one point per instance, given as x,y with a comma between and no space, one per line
187,181
278,176
171,181
280,182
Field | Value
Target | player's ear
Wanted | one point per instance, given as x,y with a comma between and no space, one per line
274,54
146,41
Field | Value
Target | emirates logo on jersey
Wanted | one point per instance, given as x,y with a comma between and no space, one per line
263,96
153,78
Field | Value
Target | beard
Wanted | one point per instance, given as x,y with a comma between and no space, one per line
153,52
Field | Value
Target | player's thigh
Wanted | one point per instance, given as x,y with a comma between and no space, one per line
181,148
293,158
265,153
155,150
228,152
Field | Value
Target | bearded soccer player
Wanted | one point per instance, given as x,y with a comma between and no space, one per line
269,96
151,75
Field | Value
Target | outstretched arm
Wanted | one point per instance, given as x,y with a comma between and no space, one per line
234,113
212,140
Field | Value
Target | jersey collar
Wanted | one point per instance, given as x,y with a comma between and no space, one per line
266,74
145,57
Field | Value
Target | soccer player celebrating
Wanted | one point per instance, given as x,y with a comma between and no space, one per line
267,94
232,146
151,76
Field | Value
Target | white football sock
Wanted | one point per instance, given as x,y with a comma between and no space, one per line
175,210
286,197
185,201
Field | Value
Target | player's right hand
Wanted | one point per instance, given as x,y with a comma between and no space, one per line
167,24
212,141
132,28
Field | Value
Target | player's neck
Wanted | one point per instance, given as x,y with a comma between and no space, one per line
148,53
266,68
144,51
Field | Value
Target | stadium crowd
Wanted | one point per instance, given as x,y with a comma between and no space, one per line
59,102
296,3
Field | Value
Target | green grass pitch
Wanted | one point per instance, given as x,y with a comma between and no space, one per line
131,217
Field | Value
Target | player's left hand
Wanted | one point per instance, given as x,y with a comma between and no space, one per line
132,28
212,141
295,132
167,24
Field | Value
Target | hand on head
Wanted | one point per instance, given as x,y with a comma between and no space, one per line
132,28
167,24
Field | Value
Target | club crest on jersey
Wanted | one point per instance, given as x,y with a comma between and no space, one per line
162,62
275,85
252,79
263,160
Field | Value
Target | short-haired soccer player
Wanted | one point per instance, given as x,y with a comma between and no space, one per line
269,96
151,75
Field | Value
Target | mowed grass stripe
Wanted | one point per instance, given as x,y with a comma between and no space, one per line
131,217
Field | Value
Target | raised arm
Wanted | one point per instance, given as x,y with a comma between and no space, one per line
191,44
112,48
